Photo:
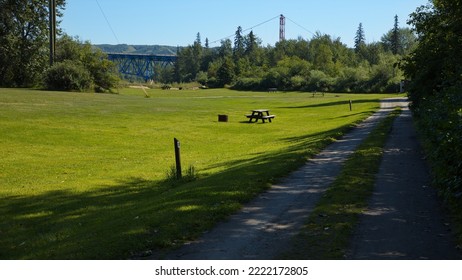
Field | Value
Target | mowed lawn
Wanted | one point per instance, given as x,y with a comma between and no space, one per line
83,176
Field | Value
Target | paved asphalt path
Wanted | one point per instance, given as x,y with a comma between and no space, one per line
404,219
265,226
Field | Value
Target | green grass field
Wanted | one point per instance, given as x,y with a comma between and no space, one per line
83,176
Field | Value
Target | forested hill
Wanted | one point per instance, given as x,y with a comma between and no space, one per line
138,49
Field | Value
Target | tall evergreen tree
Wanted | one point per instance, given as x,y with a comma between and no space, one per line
225,73
239,47
251,43
198,39
360,38
395,40
407,41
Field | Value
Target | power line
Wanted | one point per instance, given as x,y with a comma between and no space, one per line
250,28
107,21
300,26
266,21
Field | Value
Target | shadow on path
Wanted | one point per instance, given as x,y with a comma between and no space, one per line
404,219
266,225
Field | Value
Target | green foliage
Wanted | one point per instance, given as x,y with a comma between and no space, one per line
440,121
435,86
320,81
188,175
23,41
433,66
239,48
101,71
405,43
435,89
24,52
395,42
68,75
360,38
225,74
353,79
289,65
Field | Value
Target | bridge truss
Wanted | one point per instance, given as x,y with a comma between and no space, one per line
140,65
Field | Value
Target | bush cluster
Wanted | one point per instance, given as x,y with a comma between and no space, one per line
79,67
69,76
435,90
349,80
322,63
440,121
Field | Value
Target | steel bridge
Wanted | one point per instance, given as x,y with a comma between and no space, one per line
140,65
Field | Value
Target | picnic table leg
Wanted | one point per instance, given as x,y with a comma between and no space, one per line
251,117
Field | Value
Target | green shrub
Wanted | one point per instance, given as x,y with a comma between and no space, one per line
68,75
320,81
352,80
248,84
440,121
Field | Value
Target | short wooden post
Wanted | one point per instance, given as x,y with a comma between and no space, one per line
176,143
351,105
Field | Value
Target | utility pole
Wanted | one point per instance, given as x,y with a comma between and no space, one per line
52,21
282,28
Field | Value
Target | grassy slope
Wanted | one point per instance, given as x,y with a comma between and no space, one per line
82,175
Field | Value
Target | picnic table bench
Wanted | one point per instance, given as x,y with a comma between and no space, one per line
260,114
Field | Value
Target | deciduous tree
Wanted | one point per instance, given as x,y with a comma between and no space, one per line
24,40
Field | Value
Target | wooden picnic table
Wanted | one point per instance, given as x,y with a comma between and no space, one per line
260,114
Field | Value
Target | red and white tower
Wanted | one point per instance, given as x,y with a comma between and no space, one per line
282,28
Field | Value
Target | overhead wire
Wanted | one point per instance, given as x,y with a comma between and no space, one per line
107,21
302,27
213,42
255,26
245,30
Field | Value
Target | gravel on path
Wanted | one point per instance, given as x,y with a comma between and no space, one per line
404,219
265,226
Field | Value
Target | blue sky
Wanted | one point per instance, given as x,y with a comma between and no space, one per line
176,22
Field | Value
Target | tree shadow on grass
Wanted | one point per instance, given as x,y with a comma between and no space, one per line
335,103
136,216
363,114
107,223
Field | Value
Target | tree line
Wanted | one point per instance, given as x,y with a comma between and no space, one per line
321,63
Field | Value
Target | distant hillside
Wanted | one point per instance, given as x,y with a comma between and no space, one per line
138,49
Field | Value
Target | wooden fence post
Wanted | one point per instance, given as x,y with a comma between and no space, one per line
176,143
